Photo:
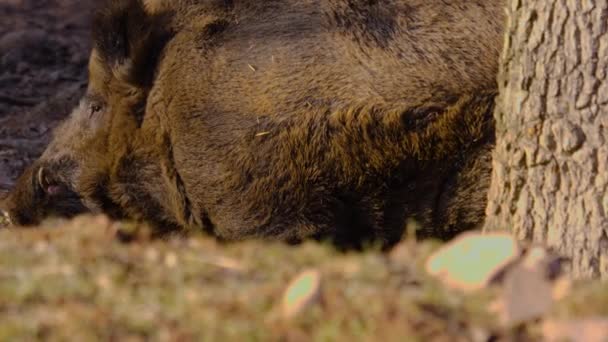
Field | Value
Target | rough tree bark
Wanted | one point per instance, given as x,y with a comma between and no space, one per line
550,169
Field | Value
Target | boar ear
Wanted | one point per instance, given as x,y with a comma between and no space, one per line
129,40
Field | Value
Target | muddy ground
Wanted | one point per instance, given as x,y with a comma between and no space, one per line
44,47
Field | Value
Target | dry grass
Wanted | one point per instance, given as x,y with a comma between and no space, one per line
90,279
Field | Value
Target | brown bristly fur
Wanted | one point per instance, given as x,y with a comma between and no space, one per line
291,119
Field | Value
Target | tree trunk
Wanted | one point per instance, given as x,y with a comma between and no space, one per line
550,168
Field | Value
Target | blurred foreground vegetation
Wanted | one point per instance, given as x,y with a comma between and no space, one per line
91,279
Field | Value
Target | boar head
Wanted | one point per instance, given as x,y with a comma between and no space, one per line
127,42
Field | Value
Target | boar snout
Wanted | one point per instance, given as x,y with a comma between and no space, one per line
20,205
41,191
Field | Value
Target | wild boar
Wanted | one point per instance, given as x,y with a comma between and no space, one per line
281,119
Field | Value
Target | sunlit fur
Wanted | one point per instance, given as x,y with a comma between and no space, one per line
292,119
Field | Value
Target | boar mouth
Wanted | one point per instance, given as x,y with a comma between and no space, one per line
41,192
56,196
48,186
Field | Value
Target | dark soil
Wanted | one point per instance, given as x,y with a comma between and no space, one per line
44,47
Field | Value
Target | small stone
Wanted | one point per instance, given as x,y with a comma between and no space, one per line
303,291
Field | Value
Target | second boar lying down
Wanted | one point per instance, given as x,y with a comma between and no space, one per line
281,119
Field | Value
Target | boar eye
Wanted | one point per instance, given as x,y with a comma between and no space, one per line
94,108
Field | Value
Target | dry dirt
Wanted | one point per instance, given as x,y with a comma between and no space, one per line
44,46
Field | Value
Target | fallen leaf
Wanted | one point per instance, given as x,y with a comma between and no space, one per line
470,261
527,290
301,293
526,295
